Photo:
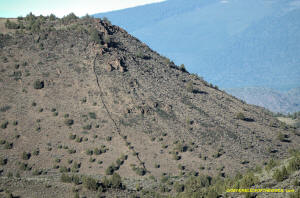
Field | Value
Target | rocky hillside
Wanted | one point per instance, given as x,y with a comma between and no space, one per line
82,97
231,43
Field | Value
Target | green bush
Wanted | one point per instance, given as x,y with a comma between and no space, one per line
65,178
94,36
189,87
69,18
249,180
64,169
72,136
296,182
108,138
38,84
76,165
105,19
5,108
10,174
79,139
3,161
124,157
280,175
92,115
106,38
90,183
110,170
140,171
103,149
87,127
4,125
240,116
271,164
140,54
97,151
52,17
76,180
179,187
11,25
182,68
8,194
116,181
181,147
212,194
8,145
294,164
76,195
106,183
119,162
89,152
281,137
71,151
163,188
26,156
176,157
37,172
69,122
181,167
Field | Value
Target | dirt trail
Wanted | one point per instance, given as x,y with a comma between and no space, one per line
118,130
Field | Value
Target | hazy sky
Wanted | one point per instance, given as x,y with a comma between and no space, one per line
15,8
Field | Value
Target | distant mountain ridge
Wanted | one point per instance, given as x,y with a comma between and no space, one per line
230,43
276,101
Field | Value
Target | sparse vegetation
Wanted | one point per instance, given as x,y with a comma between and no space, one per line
26,156
4,125
280,175
108,138
92,115
110,169
139,170
271,164
71,151
8,145
294,164
94,36
240,116
90,183
38,84
3,161
125,108
72,136
69,122
5,108
12,25
89,152
36,152
189,87
87,127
